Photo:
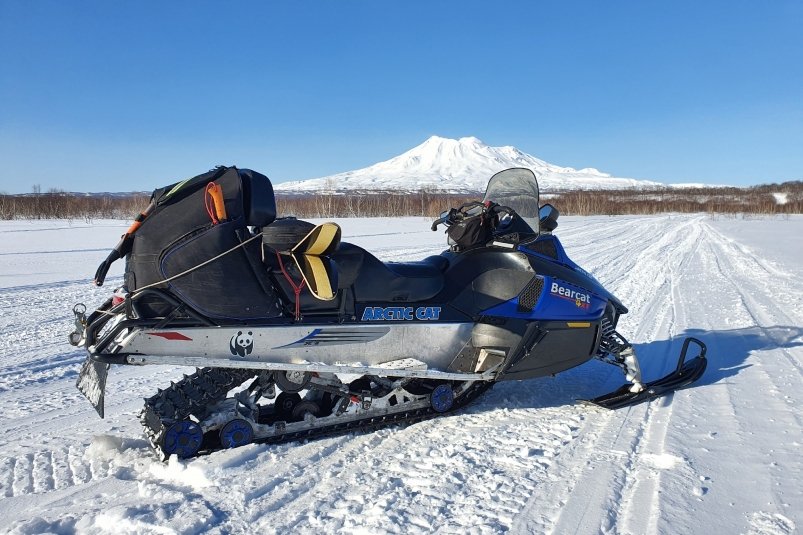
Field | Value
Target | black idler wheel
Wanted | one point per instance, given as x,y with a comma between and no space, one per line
284,405
304,408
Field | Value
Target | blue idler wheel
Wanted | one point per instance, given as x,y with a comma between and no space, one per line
237,432
183,439
442,398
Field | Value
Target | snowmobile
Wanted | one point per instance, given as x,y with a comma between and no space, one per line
296,334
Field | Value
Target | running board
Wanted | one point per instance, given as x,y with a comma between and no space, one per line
411,367
685,374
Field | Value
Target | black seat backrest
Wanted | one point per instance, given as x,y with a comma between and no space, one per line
259,202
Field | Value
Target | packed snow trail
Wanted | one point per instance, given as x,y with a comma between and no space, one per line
722,456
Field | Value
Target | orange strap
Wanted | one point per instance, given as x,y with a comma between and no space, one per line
213,202
136,224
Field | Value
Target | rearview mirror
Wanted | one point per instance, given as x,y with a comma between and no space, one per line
548,217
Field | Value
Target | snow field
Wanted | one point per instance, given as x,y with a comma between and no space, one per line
720,457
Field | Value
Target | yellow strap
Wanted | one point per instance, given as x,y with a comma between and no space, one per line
316,275
321,240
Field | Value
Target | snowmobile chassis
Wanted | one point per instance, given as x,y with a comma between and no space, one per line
174,418
384,343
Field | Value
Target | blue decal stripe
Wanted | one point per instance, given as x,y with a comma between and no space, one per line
310,335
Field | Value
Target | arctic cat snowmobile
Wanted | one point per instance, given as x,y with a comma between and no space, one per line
296,334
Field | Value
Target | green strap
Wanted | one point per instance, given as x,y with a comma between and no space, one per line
175,189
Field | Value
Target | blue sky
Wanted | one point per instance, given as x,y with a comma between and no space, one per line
120,96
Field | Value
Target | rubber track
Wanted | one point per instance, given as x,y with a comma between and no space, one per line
193,394
190,396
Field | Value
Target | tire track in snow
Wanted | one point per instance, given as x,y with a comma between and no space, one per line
777,387
22,479
7,465
728,408
735,258
397,476
43,471
288,481
599,480
638,507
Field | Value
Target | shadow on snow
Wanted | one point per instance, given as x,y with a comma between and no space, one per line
728,353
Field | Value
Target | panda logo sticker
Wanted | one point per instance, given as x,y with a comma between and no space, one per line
242,343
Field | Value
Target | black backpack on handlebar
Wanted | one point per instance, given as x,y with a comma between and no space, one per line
472,226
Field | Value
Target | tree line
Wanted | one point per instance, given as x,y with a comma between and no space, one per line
786,198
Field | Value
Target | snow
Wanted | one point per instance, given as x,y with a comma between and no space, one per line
720,457
458,165
781,197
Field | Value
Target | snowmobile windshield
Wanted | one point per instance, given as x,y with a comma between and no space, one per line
517,189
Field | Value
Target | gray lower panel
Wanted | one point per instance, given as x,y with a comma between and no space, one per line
202,362
434,344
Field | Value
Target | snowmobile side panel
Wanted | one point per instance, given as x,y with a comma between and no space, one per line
552,347
557,300
480,279
569,272
497,333
367,344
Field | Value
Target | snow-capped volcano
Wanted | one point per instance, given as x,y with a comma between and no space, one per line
458,165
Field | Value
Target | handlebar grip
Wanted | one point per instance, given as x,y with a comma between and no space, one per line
103,268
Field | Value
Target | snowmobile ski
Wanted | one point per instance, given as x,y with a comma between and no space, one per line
685,374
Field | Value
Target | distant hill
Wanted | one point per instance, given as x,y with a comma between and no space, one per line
459,166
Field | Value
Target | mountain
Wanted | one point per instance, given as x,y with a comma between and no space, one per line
458,166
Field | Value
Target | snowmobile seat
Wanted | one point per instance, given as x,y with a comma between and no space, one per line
396,281
428,267
367,277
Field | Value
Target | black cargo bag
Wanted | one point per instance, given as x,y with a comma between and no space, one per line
180,232
471,232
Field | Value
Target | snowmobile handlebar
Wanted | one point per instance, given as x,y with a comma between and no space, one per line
123,247
470,209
